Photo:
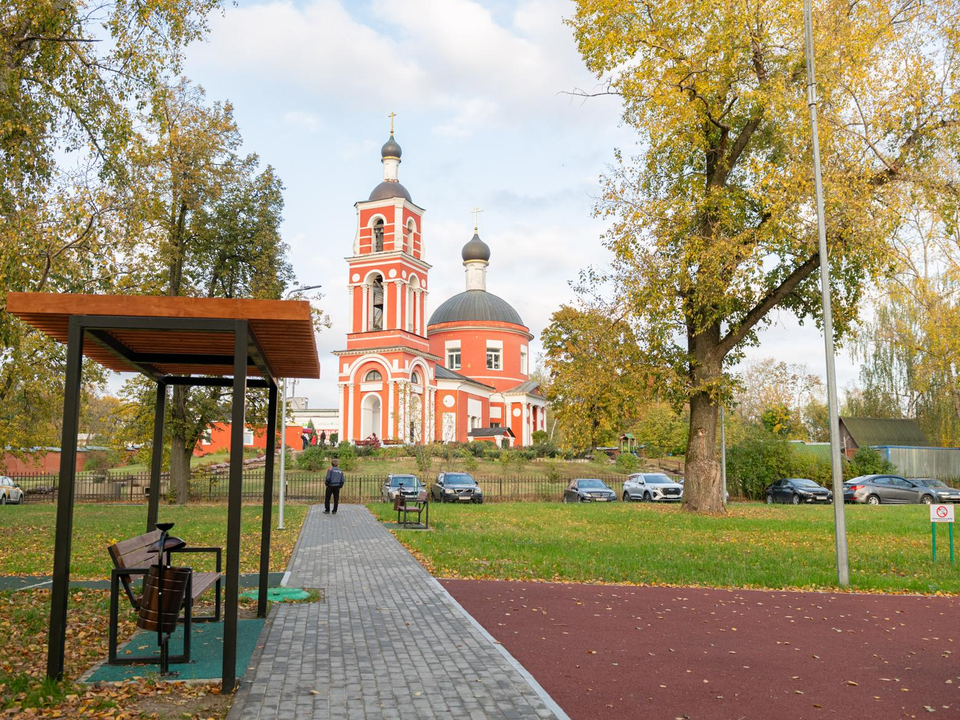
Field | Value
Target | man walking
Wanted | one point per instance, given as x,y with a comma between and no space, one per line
333,481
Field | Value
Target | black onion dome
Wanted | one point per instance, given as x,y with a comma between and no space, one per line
476,249
391,148
387,190
475,306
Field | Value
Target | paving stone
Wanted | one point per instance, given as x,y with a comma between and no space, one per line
384,632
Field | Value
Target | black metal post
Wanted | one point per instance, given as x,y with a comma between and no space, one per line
57,640
234,503
267,514
156,456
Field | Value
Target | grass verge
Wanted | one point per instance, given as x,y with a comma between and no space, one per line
753,546
28,532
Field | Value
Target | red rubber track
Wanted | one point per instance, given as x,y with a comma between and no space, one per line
621,652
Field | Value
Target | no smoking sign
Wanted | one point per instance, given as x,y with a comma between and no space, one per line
941,513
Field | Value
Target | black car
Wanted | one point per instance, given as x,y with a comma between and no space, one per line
456,487
588,490
877,489
797,491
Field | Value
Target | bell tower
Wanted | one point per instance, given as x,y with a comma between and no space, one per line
386,373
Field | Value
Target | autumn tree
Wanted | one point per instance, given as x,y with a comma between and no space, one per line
207,224
712,223
594,384
780,396
71,77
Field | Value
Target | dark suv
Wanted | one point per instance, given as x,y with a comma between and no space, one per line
876,489
456,487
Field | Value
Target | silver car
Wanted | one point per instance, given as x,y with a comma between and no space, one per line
652,487
409,485
10,491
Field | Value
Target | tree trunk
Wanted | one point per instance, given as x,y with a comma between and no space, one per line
180,449
703,487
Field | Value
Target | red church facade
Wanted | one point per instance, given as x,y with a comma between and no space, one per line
462,374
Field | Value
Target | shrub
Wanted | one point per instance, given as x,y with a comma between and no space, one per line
505,443
348,457
334,438
313,459
627,463
867,461
545,448
97,461
540,436
553,471
478,448
470,463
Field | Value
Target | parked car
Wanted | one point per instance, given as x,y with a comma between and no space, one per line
10,491
797,491
876,489
457,487
409,485
588,490
944,493
651,487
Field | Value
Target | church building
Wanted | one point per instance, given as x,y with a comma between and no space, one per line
462,374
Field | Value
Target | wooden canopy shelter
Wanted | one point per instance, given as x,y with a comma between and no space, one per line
173,341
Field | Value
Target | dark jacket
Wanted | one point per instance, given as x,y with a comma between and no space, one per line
334,478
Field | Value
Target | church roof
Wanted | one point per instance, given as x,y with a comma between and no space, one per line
390,189
491,432
476,249
529,387
443,373
475,305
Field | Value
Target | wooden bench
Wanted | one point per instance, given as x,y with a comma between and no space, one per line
418,506
132,558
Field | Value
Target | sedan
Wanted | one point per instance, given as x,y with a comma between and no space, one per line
10,491
407,485
797,491
457,487
944,493
651,487
588,490
876,489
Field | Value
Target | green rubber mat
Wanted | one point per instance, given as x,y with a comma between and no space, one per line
279,594
206,653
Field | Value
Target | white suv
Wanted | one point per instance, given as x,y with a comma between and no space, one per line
10,492
652,487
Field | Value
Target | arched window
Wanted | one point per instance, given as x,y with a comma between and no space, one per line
373,376
408,243
378,236
415,378
376,301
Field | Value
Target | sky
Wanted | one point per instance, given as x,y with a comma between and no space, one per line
480,91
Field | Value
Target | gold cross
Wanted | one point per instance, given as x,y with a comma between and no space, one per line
476,219
391,116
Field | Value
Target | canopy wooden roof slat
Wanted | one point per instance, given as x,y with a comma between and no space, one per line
283,328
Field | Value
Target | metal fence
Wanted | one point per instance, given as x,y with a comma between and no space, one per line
941,463
302,486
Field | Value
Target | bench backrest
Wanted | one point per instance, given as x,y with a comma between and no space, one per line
133,553
399,502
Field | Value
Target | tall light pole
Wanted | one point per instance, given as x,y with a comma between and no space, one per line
723,454
839,520
283,424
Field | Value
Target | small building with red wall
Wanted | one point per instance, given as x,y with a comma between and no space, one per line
217,438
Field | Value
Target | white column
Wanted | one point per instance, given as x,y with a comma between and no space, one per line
398,284
350,289
390,414
365,310
343,413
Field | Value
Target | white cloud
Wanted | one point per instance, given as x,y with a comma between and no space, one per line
304,120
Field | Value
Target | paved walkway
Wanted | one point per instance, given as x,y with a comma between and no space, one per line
386,642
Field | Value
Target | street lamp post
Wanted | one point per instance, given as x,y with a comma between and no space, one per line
839,520
283,425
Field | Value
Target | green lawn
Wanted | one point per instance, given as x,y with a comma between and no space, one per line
754,546
28,535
